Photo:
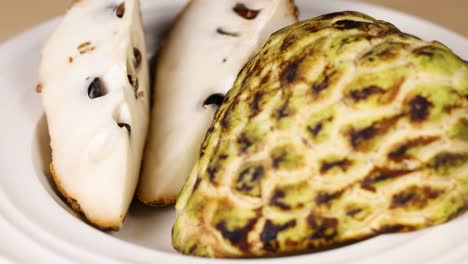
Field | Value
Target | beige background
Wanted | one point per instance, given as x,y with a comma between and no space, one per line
19,15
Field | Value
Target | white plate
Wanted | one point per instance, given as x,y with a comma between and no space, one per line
37,227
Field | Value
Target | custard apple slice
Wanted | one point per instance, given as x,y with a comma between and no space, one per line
205,51
340,129
95,91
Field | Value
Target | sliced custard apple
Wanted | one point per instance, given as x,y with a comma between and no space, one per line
340,129
205,51
95,91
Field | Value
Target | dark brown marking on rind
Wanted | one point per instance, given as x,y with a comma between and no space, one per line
400,152
353,212
245,12
270,232
120,10
288,75
212,171
360,137
363,94
248,178
325,228
127,126
419,108
288,42
343,164
237,237
317,88
255,104
214,99
350,24
197,184
138,57
326,198
279,194
379,174
397,228
414,196
226,33
316,129
244,143
442,162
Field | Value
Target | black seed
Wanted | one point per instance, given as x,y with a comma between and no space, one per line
419,108
137,56
214,99
127,126
120,10
96,89
227,33
245,12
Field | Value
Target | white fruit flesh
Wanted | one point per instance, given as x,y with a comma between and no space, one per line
197,61
96,161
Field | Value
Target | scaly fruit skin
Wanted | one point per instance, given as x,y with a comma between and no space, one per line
341,128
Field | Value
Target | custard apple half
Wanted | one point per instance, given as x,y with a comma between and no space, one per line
340,129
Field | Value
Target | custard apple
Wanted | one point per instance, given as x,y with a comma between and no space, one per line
95,91
340,129
207,47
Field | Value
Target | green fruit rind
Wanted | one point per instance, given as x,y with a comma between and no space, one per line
340,129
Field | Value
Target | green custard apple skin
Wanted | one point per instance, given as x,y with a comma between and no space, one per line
340,129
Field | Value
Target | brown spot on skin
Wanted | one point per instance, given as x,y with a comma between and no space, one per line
350,24
222,31
400,152
379,174
326,198
386,229
343,164
414,196
237,237
360,138
443,162
288,75
120,10
353,212
39,88
363,94
245,12
319,87
138,57
141,94
279,194
197,184
419,108
283,112
70,59
244,143
324,227
255,104
270,232
288,42
85,47
212,171
249,179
